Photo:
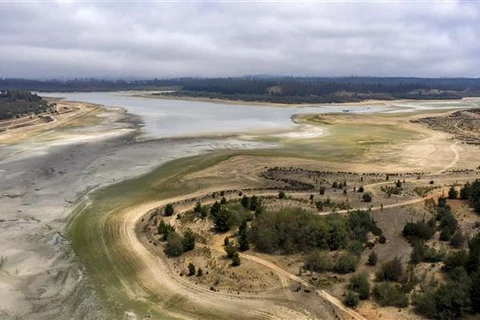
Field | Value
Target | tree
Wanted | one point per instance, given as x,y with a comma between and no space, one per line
281,195
199,272
174,247
457,240
475,291
165,229
243,243
473,261
222,220
188,240
191,269
215,208
245,202
255,204
169,210
322,190
230,251
223,201
474,195
372,258
367,197
359,284
465,191
452,193
201,210
236,260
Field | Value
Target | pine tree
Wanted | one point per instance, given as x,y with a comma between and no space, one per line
243,243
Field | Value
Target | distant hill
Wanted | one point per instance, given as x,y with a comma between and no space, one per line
15,103
274,89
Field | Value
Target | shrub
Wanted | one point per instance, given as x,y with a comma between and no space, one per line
387,294
165,229
391,270
199,272
367,197
188,240
448,301
346,263
281,195
360,189
372,258
457,240
317,261
359,284
452,193
352,299
455,260
417,231
230,250
191,269
322,190
174,247
236,260
169,210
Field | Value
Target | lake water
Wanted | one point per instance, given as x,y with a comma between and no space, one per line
172,118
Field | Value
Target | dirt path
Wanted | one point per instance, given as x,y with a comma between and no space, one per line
454,161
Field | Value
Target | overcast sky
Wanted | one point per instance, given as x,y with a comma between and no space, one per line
146,40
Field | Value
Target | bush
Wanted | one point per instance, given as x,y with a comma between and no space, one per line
360,189
372,258
322,190
191,269
199,272
236,260
417,231
359,284
387,294
346,263
457,240
169,210
281,195
174,247
448,301
452,193
231,251
455,260
165,229
317,261
391,270
352,299
367,197
188,240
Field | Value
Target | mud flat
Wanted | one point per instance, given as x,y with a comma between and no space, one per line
45,174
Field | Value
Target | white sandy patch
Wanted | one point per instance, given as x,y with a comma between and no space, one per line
303,132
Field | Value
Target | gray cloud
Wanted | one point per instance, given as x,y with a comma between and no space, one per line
143,40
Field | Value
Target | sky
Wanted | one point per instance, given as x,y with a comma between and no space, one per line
69,39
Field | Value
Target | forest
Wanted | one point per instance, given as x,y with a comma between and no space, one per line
14,103
272,89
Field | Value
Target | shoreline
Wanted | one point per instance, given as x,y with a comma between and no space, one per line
151,95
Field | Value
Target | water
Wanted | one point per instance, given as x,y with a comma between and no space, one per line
172,118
